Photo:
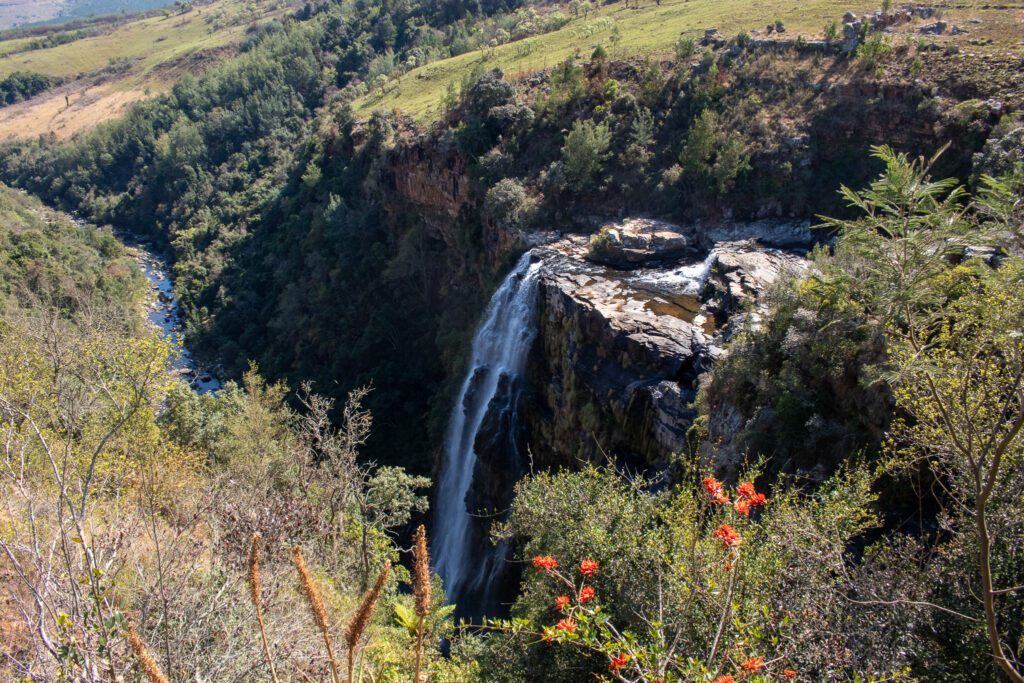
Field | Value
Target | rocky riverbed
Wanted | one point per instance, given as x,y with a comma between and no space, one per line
162,313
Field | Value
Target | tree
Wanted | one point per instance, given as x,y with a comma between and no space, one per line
962,387
585,149
958,367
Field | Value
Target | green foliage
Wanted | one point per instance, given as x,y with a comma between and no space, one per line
900,281
508,205
45,260
831,31
897,248
873,48
685,48
567,87
489,112
664,581
584,152
23,85
714,156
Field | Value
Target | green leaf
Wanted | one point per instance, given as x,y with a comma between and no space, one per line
405,618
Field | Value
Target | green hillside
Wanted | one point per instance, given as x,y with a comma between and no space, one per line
652,29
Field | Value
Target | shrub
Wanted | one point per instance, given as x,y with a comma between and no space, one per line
831,31
583,154
685,48
508,205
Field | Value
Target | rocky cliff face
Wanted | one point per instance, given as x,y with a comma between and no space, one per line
620,351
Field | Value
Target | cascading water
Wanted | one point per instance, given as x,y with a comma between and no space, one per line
469,565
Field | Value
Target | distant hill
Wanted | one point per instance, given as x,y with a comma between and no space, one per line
87,8
98,67
19,12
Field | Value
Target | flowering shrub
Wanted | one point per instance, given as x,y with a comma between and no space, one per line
701,582
658,653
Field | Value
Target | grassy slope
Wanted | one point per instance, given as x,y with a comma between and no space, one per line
153,41
653,29
152,46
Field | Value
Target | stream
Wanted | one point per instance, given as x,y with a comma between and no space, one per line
162,313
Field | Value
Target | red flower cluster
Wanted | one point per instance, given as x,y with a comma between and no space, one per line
618,663
748,497
588,567
715,491
586,594
730,537
561,602
753,664
545,563
789,673
568,625
746,490
725,679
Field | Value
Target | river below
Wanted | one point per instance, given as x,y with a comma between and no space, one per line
163,314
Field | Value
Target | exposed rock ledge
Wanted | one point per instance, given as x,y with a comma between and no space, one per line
620,352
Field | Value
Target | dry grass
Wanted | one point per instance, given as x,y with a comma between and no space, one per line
158,51
85,107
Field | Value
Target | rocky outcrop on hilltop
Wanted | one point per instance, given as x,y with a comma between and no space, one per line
621,350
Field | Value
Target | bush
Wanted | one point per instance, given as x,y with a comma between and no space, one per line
583,154
685,48
508,205
831,31
23,85
712,156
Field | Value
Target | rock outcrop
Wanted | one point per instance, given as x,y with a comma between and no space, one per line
620,351
638,241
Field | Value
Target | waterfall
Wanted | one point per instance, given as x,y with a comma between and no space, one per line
468,563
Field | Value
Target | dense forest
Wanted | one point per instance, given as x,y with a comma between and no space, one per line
868,525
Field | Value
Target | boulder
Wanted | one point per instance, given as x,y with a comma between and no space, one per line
635,242
933,29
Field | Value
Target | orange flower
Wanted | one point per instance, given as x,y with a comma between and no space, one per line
568,625
715,491
758,499
588,567
753,664
730,537
619,662
561,602
789,673
742,506
727,566
712,486
745,490
545,563
586,594
725,679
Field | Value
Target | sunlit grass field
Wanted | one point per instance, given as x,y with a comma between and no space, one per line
650,30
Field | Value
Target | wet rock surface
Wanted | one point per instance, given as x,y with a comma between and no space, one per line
621,350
